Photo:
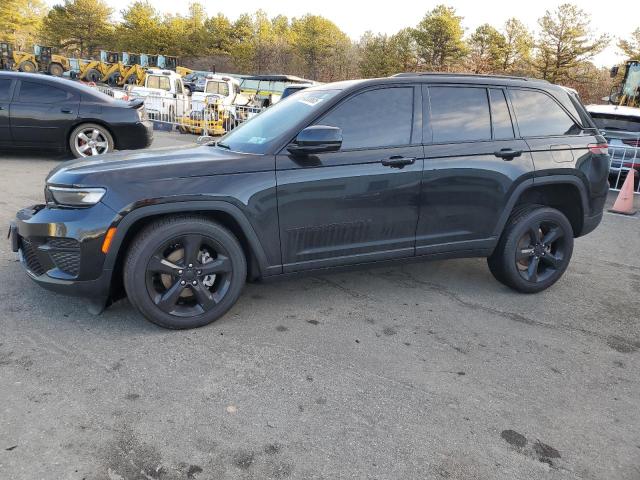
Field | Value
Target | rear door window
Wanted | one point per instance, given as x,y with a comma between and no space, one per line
539,115
374,119
500,116
459,114
32,92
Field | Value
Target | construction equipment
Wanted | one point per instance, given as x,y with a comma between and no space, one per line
41,60
627,94
183,71
47,61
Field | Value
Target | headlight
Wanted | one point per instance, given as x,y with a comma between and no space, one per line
76,197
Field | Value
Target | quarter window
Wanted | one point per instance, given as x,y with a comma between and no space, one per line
376,118
539,115
459,114
41,93
5,88
500,117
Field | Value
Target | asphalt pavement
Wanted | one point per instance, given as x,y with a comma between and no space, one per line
422,371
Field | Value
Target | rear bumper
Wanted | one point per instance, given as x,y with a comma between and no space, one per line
134,136
60,249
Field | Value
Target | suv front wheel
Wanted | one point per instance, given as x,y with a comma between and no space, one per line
184,271
534,250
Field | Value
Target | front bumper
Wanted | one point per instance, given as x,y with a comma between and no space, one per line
61,249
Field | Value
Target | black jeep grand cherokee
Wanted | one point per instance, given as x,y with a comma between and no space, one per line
359,172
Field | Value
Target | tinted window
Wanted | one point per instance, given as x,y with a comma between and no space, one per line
41,93
377,118
5,88
500,117
159,82
539,115
459,114
220,88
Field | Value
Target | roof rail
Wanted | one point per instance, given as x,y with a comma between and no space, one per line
476,75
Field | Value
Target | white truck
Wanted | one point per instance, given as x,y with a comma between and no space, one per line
164,95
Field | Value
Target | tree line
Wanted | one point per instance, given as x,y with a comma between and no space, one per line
560,50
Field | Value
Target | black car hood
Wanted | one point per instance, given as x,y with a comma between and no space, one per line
158,164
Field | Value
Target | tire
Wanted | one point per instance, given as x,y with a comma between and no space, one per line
172,294
82,146
27,66
93,75
114,79
534,249
56,70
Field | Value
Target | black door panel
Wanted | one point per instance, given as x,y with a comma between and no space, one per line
42,114
347,207
6,87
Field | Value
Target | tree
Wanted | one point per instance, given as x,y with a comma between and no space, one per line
219,34
486,49
321,46
516,54
565,42
81,25
20,21
140,28
381,55
631,46
439,39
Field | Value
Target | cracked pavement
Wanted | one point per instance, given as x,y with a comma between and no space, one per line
430,370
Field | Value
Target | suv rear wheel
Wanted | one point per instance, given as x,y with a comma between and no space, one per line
184,271
534,250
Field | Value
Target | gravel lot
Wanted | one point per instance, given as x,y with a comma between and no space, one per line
430,370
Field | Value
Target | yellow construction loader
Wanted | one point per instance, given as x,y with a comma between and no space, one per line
42,60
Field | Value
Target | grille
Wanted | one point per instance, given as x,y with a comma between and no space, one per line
31,257
68,262
63,243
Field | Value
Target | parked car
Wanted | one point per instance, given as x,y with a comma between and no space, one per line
325,179
194,82
164,96
620,125
38,111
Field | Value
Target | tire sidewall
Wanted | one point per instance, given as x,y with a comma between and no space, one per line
105,132
136,270
509,273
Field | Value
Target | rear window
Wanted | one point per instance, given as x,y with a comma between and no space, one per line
5,88
42,93
613,123
459,114
159,81
220,88
539,115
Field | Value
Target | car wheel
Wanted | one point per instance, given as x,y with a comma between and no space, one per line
56,70
534,250
89,140
27,66
184,272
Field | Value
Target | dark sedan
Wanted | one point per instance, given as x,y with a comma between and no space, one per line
38,111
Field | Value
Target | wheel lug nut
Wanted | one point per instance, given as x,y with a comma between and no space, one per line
191,265
183,282
194,283
199,272
179,272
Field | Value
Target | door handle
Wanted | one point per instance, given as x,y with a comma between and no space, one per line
1,107
507,153
398,161
66,110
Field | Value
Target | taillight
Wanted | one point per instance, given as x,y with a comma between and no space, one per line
632,142
599,148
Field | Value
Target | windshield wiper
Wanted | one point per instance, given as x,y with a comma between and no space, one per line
223,145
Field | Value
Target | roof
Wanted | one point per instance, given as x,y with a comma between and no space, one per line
62,81
278,78
615,110
465,76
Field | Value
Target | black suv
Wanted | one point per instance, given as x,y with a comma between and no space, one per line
350,173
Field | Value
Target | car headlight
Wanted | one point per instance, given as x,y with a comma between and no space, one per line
75,197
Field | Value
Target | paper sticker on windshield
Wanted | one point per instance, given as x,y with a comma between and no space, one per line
311,101
257,140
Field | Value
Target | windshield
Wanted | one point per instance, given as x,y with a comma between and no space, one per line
258,134
631,85
220,88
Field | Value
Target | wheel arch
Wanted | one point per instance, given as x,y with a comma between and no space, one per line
222,212
565,193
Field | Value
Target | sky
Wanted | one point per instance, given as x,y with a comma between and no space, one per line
618,19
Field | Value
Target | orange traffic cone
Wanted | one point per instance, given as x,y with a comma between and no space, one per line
624,202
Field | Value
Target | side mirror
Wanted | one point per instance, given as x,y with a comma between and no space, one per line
205,140
316,139
613,73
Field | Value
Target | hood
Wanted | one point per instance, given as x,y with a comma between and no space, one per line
134,167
